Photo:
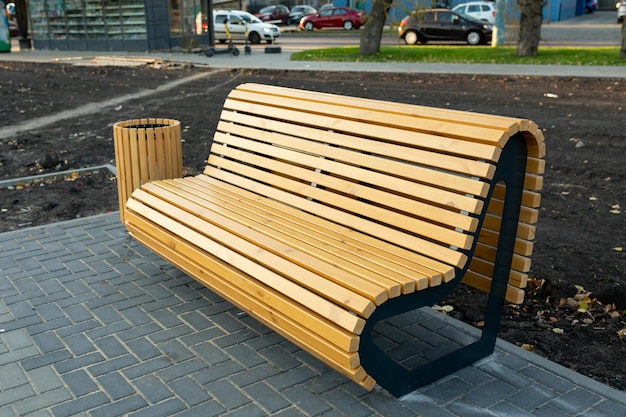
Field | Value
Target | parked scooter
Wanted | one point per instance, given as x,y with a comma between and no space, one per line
230,49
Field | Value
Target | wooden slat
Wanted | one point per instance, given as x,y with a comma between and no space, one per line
380,271
469,132
490,237
338,350
307,298
529,198
350,149
524,230
367,168
483,267
441,254
384,133
513,295
342,193
520,263
337,235
367,283
508,124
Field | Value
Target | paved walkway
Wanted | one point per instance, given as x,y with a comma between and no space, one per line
93,324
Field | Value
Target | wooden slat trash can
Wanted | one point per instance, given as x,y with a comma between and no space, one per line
146,150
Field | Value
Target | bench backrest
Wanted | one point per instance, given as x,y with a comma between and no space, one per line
414,177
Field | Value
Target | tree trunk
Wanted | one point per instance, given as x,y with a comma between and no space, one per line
530,27
622,53
372,32
21,15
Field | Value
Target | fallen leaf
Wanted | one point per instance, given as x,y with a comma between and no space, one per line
618,249
528,347
558,331
445,309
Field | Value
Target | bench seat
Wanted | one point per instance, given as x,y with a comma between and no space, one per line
321,215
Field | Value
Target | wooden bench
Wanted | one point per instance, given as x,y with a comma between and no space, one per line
321,215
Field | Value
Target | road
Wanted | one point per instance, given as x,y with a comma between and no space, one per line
597,29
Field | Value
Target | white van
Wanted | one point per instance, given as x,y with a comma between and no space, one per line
257,30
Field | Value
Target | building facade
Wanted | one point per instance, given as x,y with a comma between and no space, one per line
127,25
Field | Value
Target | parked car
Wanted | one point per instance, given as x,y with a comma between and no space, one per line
621,10
591,6
276,13
479,10
298,12
334,17
443,25
236,21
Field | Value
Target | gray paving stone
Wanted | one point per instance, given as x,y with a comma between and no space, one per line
532,397
110,347
112,365
79,382
162,409
227,394
448,390
115,386
575,401
549,411
267,398
244,355
42,401
547,379
178,370
146,367
45,379
79,344
16,339
143,349
79,405
78,362
48,342
15,394
250,410
212,408
201,337
47,359
486,395
506,409
385,405
170,333
611,408
17,355
11,376
120,407
189,391
152,388
224,369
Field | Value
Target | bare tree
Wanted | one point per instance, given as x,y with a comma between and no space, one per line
530,27
372,32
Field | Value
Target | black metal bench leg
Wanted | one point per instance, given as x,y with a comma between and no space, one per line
399,380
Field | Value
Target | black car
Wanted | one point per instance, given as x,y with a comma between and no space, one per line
443,25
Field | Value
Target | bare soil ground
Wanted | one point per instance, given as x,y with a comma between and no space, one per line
574,312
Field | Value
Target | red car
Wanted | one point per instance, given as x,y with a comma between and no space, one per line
334,17
274,14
